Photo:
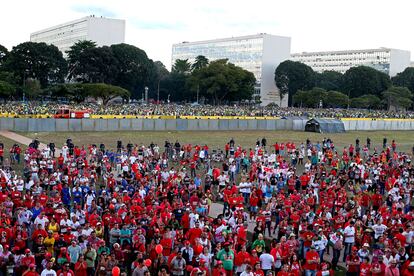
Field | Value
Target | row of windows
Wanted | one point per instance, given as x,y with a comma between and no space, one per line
377,53
59,37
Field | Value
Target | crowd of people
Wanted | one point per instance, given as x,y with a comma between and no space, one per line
37,108
277,208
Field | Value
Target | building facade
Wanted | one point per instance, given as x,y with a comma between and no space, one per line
103,31
259,54
387,60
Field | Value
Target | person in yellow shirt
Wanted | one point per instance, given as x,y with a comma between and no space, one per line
49,242
53,226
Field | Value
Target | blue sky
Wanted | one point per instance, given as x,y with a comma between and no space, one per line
155,25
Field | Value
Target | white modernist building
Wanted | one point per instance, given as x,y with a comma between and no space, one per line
103,31
259,54
387,60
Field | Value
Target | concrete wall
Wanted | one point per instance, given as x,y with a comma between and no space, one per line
75,125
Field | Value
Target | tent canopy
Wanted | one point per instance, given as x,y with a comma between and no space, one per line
325,126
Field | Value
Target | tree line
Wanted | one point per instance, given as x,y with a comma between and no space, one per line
358,87
38,70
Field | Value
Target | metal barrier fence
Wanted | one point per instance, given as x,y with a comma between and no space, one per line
143,124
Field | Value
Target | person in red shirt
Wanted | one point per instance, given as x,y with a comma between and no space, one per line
194,233
254,201
304,180
31,271
401,237
353,262
365,268
311,261
219,270
65,271
377,200
1,155
257,271
284,271
307,236
28,259
241,258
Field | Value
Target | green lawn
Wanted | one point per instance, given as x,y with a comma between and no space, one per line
217,139
7,145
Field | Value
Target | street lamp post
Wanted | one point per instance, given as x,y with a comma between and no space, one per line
158,92
198,91
146,94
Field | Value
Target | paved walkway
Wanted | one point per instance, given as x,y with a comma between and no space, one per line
23,139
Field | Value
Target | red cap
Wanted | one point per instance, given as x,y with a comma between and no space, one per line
27,251
354,248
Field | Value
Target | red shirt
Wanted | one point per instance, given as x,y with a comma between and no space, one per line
354,259
312,258
365,269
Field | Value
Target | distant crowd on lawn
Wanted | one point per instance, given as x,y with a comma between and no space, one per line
38,108
86,210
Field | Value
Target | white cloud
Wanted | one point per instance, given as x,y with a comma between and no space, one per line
155,25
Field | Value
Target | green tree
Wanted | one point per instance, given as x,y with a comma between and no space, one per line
6,90
222,81
335,99
363,80
366,101
95,65
291,76
398,97
200,62
405,78
134,68
310,98
32,88
329,80
38,61
71,91
181,66
104,92
159,74
175,85
314,97
75,56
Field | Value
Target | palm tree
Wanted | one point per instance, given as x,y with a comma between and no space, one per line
200,62
181,66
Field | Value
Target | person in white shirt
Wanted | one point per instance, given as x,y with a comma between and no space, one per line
222,179
267,261
24,216
387,257
320,244
379,229
48,271
349,239
247,271
41,219
245,189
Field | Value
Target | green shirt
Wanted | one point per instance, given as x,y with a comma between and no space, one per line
227,258
259,245
90,257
